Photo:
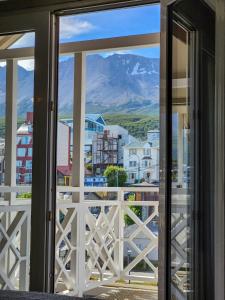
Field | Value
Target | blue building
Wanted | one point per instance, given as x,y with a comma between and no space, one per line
94,123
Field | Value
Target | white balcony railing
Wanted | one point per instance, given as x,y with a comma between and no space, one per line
98,240
102,241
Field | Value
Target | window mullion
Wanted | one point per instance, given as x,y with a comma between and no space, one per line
78,119
11,125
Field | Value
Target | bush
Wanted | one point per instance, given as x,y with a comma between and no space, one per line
116,176
136,209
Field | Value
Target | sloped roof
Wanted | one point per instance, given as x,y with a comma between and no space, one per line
65,170
137,144
25,129
95,118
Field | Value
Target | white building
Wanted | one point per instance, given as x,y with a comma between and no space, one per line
141,162
153,137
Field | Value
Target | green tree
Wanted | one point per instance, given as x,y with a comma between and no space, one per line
136,209
24,196
116,176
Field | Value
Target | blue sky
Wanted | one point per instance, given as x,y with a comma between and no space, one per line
105,24
112,23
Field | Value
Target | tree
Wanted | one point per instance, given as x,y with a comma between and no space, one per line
116,176
136,209
24,196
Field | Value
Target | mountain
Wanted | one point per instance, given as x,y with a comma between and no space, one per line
120,83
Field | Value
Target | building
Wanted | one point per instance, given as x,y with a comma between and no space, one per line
105,151
94,123
124,138
25,149
141,162
153,137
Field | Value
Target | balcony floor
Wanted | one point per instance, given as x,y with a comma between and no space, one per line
128,292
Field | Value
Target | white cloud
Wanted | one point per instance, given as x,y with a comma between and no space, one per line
106,54
27,64
71,26
2,63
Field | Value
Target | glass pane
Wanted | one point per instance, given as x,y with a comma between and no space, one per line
122,119
108,157
111,23
25,91
65,120
25,40
16,144
182,167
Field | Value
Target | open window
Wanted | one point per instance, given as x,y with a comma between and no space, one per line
187,120
107,124
108,153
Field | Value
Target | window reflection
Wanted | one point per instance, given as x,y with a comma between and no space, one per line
181,176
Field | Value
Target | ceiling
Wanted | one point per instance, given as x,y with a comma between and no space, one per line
8,40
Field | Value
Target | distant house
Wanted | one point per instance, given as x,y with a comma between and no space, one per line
141,162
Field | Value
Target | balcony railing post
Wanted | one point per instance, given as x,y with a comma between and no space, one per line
78,225
119,227
25,252
81,275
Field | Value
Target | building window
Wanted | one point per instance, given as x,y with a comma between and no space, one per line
26,140
132,176
19,163
30,151
132,151
147,152
145,163
132,164
28,178
29,164
21,152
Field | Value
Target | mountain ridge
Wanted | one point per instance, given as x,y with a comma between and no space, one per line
119,83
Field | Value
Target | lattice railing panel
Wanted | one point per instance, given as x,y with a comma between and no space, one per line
14,247
180,255
140,242
101,243
66,248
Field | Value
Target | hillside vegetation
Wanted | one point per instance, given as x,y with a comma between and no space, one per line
2,126
137,125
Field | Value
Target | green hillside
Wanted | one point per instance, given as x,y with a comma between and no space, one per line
137,125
